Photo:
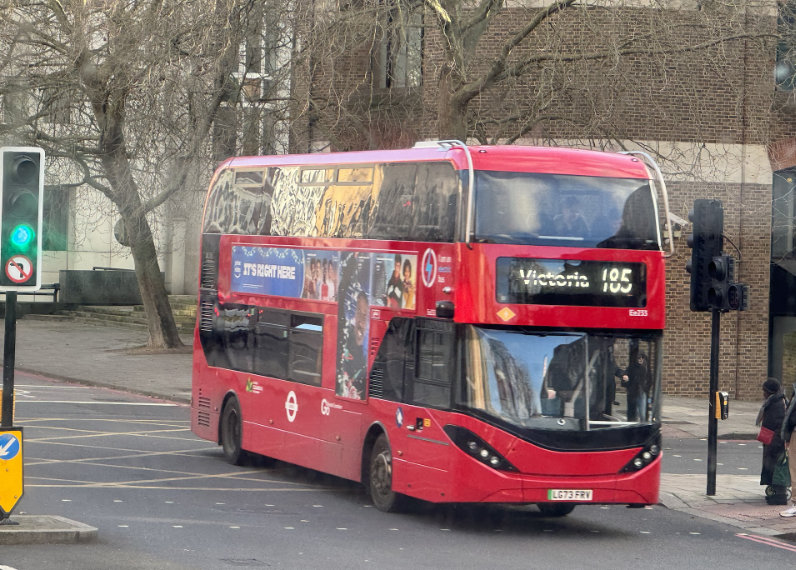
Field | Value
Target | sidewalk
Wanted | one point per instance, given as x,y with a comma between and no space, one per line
103,354
113,356
739,499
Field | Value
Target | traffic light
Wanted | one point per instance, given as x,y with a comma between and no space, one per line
706,243
21,207
721,270
737,297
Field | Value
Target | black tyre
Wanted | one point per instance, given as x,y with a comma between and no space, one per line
380,478
231,429
556,509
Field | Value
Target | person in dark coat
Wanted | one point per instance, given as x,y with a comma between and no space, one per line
771,415
637,380
788,427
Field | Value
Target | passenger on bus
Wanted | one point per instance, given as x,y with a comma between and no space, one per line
570,222
607,224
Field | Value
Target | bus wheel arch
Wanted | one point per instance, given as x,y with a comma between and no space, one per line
373,434
379,477
230,429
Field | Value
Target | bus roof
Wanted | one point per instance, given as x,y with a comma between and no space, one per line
552,160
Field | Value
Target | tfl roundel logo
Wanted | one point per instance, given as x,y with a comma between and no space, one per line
429,267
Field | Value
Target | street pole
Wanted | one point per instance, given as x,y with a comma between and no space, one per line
714,388
9,348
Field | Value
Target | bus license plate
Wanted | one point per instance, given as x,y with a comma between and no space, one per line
569,494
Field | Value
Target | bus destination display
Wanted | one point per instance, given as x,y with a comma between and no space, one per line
571,282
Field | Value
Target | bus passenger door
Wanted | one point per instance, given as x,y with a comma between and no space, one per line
428,374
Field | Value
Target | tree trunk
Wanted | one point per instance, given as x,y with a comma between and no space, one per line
160,319
451,111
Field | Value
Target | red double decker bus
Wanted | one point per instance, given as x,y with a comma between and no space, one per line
450,323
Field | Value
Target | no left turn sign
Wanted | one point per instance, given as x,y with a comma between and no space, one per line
19,269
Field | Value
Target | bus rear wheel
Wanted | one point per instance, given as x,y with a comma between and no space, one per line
231,428
556,509
380,478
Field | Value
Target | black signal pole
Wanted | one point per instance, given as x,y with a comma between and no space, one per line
714,388
9,348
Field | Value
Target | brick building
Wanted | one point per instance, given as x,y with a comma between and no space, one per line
694,85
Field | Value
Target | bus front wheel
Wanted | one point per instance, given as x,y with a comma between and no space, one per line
380,478
231,427
556,509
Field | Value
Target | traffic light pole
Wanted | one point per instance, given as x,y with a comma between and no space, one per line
714,387
9,349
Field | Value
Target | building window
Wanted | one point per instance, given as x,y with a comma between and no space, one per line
785,69
783,215
399,63
55,218
256,57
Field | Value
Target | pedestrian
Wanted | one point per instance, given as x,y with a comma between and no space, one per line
770,417
788,425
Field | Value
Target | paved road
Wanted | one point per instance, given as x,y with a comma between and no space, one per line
734,457
162,498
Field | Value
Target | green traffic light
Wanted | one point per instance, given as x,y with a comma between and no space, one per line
22,235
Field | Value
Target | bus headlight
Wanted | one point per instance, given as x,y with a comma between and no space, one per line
644,457
477,448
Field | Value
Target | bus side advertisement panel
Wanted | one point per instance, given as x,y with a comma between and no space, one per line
355,281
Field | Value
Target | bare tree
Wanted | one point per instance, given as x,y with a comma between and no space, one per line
128,99
501,71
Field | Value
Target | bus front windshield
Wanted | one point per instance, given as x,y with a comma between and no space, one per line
573,380
565,210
